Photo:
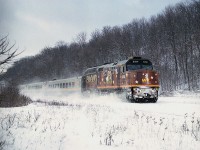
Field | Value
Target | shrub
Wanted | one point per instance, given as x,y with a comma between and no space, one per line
11,97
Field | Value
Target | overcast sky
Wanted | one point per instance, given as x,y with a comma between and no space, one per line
35,24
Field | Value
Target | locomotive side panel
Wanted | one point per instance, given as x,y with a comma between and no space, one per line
115,74
107,79
101,81
89,82
122,77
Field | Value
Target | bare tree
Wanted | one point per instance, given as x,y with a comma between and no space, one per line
7,52
81,39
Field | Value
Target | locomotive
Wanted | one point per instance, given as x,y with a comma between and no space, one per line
135,77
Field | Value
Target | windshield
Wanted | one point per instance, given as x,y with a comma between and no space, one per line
139,64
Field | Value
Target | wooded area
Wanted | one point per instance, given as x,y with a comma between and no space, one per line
171,40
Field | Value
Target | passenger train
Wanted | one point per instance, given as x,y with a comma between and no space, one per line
135,77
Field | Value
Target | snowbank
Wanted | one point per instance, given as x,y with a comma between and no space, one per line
105,122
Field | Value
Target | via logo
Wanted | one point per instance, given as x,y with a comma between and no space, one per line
146,79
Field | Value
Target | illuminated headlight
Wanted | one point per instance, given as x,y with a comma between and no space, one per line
129,92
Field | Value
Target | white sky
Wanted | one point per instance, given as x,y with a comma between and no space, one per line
35,24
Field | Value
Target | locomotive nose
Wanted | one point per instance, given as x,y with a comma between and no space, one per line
147,77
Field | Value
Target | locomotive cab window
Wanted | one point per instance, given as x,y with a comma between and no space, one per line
139,64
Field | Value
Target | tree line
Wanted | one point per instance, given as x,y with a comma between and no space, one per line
170,39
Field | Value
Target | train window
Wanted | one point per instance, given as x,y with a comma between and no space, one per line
139,64
73,84
60,85
147,66
63,85
66,85
69,84
134,67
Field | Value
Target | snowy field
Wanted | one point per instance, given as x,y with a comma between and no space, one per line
103,122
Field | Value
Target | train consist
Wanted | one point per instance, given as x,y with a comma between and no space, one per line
135,77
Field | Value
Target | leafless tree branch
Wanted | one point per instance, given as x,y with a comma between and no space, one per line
7,52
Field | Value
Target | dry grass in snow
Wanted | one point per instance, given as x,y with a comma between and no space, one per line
86,125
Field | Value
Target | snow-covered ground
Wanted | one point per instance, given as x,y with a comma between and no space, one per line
102,122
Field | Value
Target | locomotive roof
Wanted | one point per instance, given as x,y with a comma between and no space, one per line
109,65
119,63
68,79
106,65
